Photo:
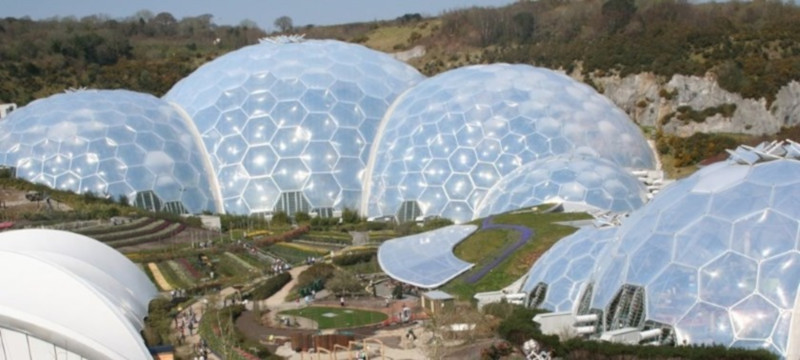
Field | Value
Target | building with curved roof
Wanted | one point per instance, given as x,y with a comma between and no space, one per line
425,260
580,183
110,143
449,139
69,296
713,257
288,124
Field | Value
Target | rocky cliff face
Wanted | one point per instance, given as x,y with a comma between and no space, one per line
684,105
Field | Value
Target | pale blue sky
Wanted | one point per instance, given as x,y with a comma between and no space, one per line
232,12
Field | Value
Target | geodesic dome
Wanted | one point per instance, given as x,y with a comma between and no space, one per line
580,183
289,125
450,138
109,142
67,296
557,279
714,256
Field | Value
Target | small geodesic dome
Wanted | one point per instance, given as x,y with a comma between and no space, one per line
449,139
580,183
288,123
714,256
110,143
558,277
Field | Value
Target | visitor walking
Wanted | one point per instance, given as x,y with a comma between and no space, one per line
341,301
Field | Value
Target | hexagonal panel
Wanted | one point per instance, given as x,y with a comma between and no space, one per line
260,160
754,318
777,279
261,194
290,174
728,279
458,187
765,234
714,326
702,241
672,293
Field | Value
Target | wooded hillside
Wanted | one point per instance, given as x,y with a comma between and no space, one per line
752,47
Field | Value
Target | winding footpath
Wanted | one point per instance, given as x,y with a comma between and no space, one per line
525,234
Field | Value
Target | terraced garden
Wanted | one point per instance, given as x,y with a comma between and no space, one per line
138,231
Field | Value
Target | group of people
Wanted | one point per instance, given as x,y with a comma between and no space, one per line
279,267
188,320
202,350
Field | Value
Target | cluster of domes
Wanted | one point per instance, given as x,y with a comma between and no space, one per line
714,257
321,125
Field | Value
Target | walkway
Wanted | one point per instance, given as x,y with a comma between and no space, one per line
191,341
525,234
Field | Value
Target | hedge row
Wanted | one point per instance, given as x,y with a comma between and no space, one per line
150,228
108,229
270,286
168,232
354,258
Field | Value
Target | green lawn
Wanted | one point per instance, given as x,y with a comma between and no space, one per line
474,248
486,245
337,317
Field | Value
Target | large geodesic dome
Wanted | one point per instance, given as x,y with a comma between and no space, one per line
558,277
288,124
450,138
714,257
109,142
580,183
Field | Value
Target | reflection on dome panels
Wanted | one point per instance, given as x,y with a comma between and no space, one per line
319,101
716,252
569,264
486,121
582,183
425,260
112,143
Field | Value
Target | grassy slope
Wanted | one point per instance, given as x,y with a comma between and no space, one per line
546,233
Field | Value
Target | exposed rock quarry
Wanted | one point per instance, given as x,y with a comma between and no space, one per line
648,98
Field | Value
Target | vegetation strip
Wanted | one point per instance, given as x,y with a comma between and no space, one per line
525,234
159,277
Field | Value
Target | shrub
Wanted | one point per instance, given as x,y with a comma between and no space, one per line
270,286
354,258
314,272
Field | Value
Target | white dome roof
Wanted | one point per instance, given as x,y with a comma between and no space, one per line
72,292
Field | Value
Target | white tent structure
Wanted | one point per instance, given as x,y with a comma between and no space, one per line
67,296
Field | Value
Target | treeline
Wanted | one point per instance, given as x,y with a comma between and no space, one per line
753,47
146,52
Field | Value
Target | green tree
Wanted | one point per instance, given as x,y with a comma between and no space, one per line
280,218
284,24
302,217
344,282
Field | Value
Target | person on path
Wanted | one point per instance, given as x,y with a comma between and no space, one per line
341,301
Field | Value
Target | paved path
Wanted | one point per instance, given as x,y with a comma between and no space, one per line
191,340
525,234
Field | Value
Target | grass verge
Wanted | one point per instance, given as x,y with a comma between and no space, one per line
337,318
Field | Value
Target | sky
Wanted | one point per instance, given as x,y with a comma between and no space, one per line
232,12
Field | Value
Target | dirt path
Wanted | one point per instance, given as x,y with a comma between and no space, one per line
277,300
